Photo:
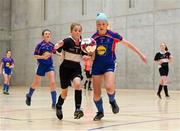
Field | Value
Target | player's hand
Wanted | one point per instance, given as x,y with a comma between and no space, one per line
144,59
11,67
86,57
164,60
47,55
58,44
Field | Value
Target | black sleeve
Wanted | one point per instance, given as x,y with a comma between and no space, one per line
169,54
67,43
59,49
156,57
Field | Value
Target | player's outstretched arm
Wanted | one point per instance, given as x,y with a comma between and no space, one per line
131,46
58,44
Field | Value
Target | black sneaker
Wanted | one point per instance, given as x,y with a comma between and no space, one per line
98,116
115,107
78,114
167,96
6,93
28,100
90,89
59,113
159,95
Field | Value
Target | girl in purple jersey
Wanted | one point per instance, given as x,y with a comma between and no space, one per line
104,63
43,54
6,65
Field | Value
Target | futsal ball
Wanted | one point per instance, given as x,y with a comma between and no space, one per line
46,53
88,45
7,64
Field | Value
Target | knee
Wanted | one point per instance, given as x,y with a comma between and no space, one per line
35,83
165,80
109,87
77,85
5,82
162,80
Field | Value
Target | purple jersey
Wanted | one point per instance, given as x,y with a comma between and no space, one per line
106,44
7,62
41,49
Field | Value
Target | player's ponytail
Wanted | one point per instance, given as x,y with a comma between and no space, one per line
166,48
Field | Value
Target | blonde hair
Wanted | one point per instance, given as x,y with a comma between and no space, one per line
166,48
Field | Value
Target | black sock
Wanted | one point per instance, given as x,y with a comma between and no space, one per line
60,102
89,84
85,83
78,98
166,90
160,88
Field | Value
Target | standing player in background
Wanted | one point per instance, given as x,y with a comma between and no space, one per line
6,65
43,54
87,69
104,63
70,70
163,58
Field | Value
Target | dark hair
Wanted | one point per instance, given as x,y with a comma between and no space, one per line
45,31
7,51
75,24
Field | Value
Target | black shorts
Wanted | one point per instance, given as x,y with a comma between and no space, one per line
88,74
67,74
164,70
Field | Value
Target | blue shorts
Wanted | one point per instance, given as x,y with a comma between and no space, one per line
42,69
99,68
7,71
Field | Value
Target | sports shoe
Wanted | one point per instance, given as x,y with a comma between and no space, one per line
59,113
78,114
167,97
6,93
98,116
159,95
115,107
28,100
90,89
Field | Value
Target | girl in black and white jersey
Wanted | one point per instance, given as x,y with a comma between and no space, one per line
163,58
70,70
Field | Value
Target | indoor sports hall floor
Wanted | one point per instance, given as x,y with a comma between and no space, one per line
139,110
